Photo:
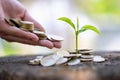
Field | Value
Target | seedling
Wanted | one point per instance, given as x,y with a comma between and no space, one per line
77,28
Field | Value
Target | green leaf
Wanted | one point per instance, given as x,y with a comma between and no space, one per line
90,27
82,30
67,20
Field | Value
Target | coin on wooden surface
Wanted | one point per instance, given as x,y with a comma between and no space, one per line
86,53
86,59
39,57
49,60
87,56
85,49
98,59
61,61
34,62
72,55
74,62
62,53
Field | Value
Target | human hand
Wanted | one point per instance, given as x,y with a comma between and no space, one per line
13,9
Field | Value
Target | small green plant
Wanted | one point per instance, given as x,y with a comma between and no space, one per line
77,28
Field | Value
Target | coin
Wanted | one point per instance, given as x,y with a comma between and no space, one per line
55,37
13,22
98,59
87,56
27,26
85,49
74,62
62,53
86,52
9,22
49,60
72,55
40,34
34,62
86,59
61,61
39,57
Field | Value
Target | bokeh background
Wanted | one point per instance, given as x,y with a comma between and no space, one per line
104,14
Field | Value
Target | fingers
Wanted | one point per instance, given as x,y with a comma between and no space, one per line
27,17
50,44
6,29
17,39
45,43
57,44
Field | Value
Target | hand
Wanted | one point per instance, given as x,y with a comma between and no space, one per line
13,9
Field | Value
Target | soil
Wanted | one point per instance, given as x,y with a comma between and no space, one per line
17,68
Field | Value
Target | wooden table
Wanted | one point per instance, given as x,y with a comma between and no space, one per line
17,68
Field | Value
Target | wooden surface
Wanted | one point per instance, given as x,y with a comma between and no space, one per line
17,68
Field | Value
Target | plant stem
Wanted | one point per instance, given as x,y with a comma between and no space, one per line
76,43
77,29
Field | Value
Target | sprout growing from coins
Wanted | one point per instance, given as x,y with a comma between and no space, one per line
77,29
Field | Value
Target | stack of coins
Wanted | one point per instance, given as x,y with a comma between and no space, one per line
29,26
86,55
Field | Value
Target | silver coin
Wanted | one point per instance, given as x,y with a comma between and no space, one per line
87,56
55,37
98,59
61,61
34,62
39,57
85,50
62,53
72,55
74,62
49,60
86,59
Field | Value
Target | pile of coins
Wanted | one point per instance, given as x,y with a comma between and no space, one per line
29,26
55,59
63,57
87,55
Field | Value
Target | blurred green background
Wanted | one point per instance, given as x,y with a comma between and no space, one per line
104,14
